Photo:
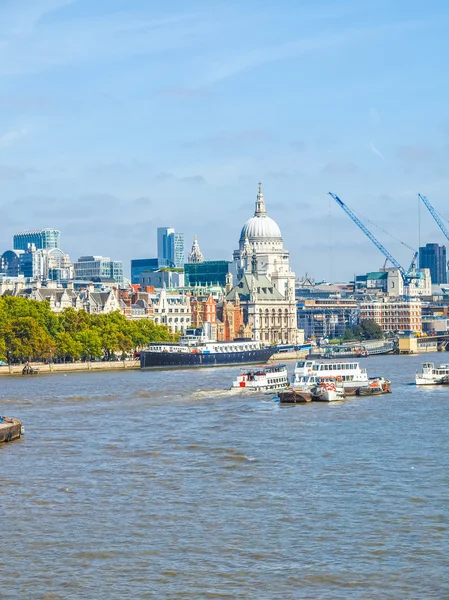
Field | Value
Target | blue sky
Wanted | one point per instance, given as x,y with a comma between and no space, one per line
119,116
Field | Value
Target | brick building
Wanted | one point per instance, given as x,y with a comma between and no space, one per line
393,315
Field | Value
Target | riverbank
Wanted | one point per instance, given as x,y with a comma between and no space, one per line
118,365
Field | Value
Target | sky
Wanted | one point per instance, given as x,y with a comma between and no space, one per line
121,116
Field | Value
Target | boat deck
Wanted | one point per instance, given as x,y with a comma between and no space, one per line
10,429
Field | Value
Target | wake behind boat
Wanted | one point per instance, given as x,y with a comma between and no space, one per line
196,350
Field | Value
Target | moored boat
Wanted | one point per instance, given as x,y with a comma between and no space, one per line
196,350
294,396
10,429
329,389
431,375
376,386
352,377
265,378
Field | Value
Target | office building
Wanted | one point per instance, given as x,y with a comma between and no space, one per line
433,257
139,265
162,279
42,240
176,255
10,263
206,273
170,247
163,245
97,268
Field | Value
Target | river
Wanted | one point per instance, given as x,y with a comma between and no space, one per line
138,485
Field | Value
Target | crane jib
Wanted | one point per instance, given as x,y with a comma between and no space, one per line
406,275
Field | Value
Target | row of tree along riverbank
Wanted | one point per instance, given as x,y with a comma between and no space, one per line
30,331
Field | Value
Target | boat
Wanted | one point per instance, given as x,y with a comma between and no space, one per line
368,348
431,375
353,378
264,378
10,429
324,389
376,386
294,395
195,349
329,389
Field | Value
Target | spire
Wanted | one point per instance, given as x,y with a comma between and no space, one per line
195,255
260,204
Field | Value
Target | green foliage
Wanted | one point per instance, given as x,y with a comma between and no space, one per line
29,330
367,330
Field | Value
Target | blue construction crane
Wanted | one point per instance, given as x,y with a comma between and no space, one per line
435,215
407,276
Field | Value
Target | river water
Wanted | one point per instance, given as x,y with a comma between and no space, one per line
138,485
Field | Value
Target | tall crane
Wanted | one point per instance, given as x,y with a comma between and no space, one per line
435,215
407,276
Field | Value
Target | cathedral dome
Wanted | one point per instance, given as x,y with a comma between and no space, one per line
260,226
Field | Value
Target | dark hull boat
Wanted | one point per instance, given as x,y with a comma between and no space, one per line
294,396
200,358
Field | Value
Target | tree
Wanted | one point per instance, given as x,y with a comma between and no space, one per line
90,342
26,339
67,348
371,330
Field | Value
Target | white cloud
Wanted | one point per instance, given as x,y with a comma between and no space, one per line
375,151
11,137
36,45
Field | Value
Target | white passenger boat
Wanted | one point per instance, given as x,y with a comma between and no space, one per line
261,379
431,375
354,380
329,389
324,389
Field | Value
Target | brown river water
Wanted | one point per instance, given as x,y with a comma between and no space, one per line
138,485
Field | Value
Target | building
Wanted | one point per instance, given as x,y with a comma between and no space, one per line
231,321
34,263
170,247
139,265
44,239
176,254
433,257
10,263
206,273
195,255
96,268
327,317
265,284
204,310
389,281
172,310
162,278
393,315
261,236
136,304
163,246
